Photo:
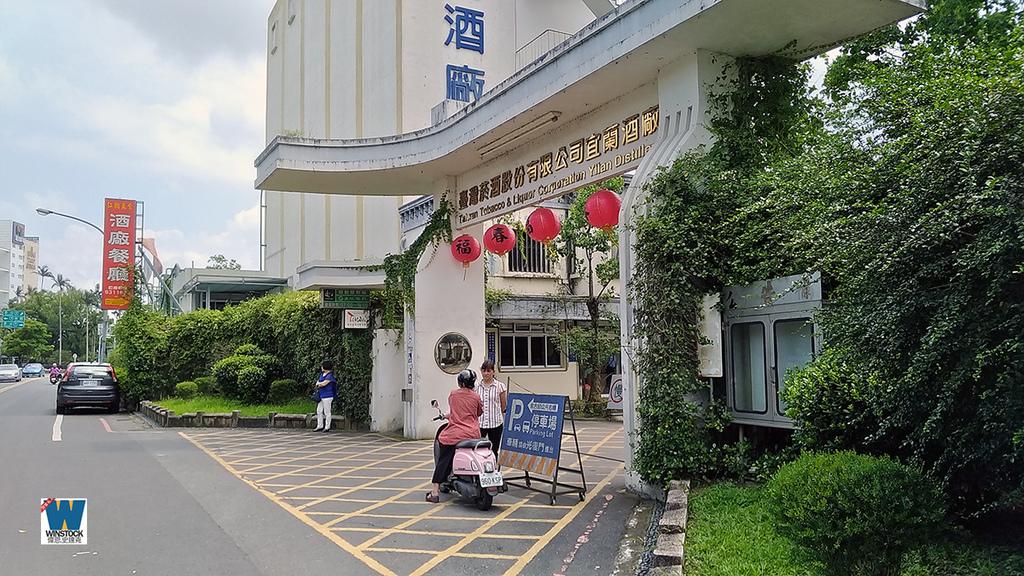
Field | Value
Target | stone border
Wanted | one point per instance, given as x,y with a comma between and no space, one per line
669,552
234,419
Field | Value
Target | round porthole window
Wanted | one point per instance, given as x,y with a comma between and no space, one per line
453,353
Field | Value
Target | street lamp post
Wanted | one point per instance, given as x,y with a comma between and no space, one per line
102,353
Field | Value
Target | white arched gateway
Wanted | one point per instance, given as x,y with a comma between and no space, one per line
497,105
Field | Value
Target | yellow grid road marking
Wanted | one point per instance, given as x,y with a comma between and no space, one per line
355,450
380,568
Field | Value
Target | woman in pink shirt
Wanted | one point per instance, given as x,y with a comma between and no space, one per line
464,410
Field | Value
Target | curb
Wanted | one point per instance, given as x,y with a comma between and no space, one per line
234,419
669,552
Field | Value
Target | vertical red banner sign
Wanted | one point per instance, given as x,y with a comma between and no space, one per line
118,252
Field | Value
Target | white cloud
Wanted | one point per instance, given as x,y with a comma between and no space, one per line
238,241
159,101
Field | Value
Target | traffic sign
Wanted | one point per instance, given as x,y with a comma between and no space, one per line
14,319
615,393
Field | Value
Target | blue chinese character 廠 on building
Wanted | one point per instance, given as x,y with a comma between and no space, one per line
463,81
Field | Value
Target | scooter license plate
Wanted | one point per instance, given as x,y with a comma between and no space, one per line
489,480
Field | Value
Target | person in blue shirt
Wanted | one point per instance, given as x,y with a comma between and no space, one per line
327,388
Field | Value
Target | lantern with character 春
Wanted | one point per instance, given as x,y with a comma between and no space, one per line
499,239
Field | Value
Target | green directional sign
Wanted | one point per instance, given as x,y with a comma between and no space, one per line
14,319
344,298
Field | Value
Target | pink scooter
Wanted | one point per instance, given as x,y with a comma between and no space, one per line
475,473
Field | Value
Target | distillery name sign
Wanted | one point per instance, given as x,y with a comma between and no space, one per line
616,149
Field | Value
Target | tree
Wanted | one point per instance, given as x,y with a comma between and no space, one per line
60,283
30,342
19,295
916,208
909,198
588,252
218,261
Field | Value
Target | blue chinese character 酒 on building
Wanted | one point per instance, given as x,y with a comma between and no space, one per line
467,28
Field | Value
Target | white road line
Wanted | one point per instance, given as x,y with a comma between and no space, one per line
56,427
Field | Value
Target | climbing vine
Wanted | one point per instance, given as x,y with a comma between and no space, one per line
684,250
399,285
355,374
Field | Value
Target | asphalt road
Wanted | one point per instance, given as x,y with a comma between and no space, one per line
251,502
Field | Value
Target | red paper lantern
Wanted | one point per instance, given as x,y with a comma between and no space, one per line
543,226
499,239
602,209
465,249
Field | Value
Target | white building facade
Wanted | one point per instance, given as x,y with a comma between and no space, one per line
13,247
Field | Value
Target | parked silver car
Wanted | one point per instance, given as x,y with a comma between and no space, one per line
10,373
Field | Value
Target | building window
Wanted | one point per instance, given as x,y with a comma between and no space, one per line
273,37
532,258
291,11
523,345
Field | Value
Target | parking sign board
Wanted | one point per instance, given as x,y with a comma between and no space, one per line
532,436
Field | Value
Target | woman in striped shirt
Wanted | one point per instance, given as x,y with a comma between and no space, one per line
494,397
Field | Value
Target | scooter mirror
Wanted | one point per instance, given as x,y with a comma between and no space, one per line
433,403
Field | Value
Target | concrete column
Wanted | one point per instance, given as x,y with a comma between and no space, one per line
682,101
449,298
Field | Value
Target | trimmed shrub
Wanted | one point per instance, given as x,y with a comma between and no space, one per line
186,390
226,373
282,391
207,385
828,399
252,385
248,350
855,514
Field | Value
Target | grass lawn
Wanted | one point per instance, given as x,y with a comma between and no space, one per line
216,404
729,534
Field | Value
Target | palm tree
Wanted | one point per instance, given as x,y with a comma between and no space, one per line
91,298
61,283
19,295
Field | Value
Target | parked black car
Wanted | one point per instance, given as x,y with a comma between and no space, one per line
88,384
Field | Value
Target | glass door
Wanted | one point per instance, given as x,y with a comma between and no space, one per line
749,374
794,347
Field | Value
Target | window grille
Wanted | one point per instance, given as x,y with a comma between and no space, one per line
532,258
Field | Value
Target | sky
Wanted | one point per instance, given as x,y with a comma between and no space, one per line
159,101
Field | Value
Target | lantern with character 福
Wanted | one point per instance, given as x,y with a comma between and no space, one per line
465,249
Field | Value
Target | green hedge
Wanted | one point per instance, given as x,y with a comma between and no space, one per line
207,385
286,335
252,385
283,391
